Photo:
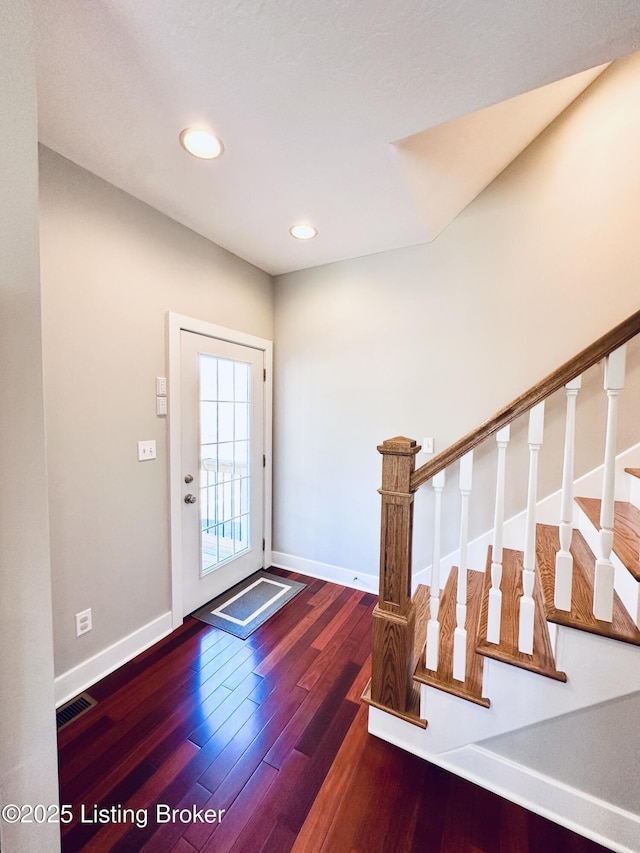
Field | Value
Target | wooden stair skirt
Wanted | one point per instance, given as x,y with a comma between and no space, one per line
542,661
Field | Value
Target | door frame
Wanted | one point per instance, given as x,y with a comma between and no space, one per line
177,323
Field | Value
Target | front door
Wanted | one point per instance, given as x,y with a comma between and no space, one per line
222,447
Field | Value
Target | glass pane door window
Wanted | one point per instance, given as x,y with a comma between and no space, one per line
225,454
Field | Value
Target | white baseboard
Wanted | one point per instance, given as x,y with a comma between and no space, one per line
75,680
326,572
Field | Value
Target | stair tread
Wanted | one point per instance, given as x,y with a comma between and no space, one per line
471,688
542,661
635,472
626,530
581,614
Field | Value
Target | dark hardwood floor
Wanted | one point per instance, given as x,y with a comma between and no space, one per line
270,730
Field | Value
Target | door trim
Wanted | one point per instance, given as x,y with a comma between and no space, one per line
177,323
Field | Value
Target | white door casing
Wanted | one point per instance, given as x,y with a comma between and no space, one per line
222,449
188,338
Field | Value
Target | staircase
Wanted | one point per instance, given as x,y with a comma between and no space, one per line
511,673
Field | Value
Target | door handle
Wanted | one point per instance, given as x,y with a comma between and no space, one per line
188,478
190,499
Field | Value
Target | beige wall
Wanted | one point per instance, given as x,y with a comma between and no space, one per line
28,761
432,340
111,269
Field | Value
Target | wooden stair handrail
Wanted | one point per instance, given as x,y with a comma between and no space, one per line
577,365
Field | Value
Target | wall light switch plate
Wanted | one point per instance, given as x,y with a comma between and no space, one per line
161,406
146,450
427,445
161,386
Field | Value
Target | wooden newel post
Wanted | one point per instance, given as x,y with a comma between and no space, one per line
393,616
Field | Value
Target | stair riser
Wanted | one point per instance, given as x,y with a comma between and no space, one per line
634,491
520,698
628,588
624,583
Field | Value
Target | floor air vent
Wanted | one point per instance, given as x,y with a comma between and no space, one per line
73,709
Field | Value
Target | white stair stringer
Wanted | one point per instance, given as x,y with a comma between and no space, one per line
598,669
603,822
593,817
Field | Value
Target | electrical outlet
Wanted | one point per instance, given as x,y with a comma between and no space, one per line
427,445
84,622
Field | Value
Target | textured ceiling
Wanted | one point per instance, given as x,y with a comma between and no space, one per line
309,99
447,166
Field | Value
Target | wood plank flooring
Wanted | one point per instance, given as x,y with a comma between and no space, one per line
270,730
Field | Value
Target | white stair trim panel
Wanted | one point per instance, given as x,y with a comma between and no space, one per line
580,812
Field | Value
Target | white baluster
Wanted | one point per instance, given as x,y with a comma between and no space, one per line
433,625
495,593
564,558
603,586
527,604
460,634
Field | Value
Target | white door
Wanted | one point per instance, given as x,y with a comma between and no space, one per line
222,473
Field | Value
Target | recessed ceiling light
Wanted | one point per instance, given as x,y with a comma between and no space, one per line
201,143
303,232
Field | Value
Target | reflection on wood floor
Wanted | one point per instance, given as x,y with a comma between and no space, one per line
270,730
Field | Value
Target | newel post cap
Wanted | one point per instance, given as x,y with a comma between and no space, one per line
399,446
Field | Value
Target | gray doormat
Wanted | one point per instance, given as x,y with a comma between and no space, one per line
247,605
